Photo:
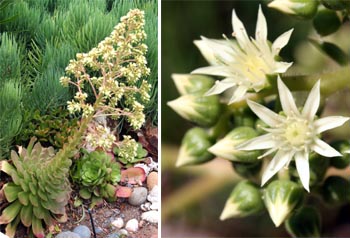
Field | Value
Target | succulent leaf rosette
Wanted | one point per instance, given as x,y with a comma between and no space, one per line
96,173
272,126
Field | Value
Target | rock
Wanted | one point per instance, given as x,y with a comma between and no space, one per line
68,234
144,167
138,196
152,180
98,230
118,223
113,235
82,231
132,225
153,198
123,232
150,216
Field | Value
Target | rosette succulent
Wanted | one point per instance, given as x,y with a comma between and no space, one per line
96,174
39,190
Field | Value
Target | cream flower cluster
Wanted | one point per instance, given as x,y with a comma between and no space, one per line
127,148
114,70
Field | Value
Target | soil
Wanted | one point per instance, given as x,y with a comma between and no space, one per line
102,218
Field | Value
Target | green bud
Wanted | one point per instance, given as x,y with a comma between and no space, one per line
344,148
326,21
302,9
281,197
306,222
259,124
336,4
247,170
244,121
190,83
199,109
335,190
226,147
244,200
194,148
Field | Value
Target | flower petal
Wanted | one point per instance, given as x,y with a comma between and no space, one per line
302,163
328,123
286,98
261,27
279,160
258,143
238,94
281,41
322,148
220,86
312,102
213,70
265,114
216,50
239,31
282,67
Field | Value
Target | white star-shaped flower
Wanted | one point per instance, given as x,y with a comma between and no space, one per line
293,134
245,64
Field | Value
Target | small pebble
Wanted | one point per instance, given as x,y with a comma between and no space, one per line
150,216
118,223
123,232
68,234
98,230
82,231
138,196
132,225
152,180
113,235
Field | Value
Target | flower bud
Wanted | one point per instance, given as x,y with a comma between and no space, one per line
281,197
344,148
202,110
244,200
303,9
336,4
226,147
305,222
335,190
190,83
194,148
326,21
247,170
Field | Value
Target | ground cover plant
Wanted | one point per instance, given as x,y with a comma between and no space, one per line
268,117
78,78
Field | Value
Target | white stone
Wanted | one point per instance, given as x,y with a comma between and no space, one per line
132,225
150,216
118,223
2,235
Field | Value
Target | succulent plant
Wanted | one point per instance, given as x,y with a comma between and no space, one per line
129,151
53,128
39,190
96,174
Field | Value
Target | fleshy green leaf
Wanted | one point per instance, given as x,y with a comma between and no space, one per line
23,197
11,191
37,227
26,215
10,212
11,228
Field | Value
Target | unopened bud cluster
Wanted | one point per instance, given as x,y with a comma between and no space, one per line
113,70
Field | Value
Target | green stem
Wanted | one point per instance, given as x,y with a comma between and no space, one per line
331,82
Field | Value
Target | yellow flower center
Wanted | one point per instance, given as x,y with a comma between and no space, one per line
297,132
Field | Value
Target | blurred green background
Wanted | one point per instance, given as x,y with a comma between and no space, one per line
193,197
